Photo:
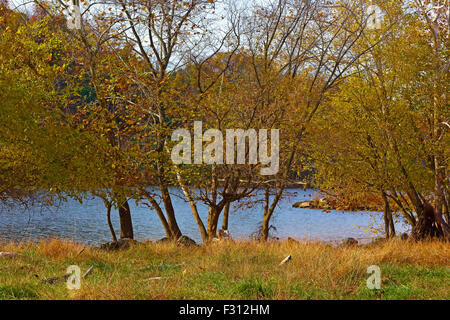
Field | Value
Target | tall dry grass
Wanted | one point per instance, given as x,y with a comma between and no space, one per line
229,270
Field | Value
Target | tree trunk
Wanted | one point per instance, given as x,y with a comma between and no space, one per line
446,211
108,218
226,212
440,203
389,228
268,211
386,225
392,224
159,212
266,217
126,225
213,219
193,205
425,227
403,209
170,212
265,228
441,225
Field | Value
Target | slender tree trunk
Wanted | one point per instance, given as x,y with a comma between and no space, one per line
162,163
392,224
170,212
270,208
159,212
386,224
268,211
389,228
405,212
446,207
126,225
108,218
193,205
226,213
266,218
265,228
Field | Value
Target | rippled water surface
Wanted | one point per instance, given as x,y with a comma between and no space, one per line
87,222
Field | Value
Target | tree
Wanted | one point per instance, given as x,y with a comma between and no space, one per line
300,51
380,122
43,155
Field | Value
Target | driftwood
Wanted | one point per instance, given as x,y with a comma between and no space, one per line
153,278
285,260
88,271
10,255
53,280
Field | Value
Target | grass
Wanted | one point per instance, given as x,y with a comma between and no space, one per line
229,270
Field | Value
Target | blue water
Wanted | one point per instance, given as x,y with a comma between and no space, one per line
87,222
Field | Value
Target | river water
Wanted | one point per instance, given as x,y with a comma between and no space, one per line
86,222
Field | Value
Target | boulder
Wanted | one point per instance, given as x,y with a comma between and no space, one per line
378,240
186,241
120,244
109,246
126,242
163,240
224,234
350,242
303,204
313,204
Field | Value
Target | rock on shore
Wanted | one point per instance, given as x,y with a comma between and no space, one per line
120,244
324,204
313,204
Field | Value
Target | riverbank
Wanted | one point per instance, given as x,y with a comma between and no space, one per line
227,270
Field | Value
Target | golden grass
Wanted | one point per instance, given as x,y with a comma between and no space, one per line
229,270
